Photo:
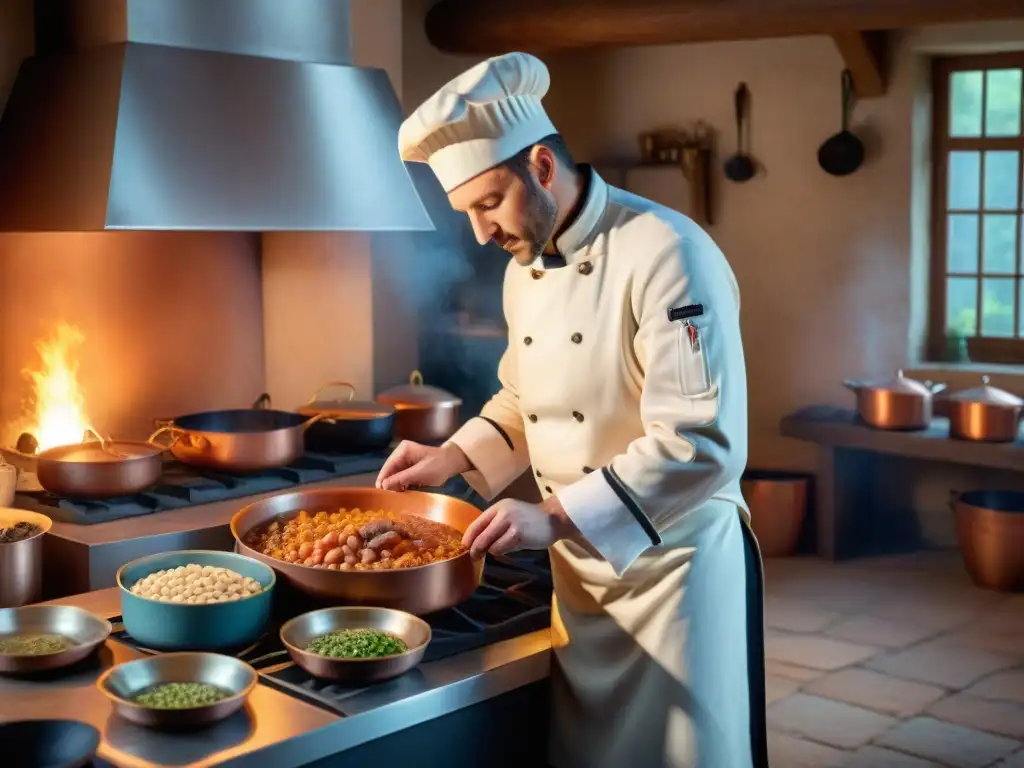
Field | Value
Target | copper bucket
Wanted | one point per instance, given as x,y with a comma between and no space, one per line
778,506
990,530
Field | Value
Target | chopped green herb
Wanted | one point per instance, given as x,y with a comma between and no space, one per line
357,644
181,696
34,645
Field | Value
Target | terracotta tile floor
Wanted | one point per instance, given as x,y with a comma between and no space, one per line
895,661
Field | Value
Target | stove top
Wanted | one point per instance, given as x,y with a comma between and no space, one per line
183,486
513,599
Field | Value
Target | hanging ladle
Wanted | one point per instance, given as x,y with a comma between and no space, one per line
740,167
843,153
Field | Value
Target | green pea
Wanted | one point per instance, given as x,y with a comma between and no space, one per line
357,644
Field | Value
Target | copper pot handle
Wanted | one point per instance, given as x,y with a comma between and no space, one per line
313,420
853,385
263,401
934,388
104,443
198,442
331,385
416,379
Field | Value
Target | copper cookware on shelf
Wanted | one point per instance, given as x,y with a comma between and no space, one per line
899,403
990,531
425,414
241,440
347,425
100,468
984,413
418,590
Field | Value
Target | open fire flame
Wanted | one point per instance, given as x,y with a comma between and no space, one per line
59,416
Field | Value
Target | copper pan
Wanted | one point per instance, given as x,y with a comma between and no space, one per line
419,590
99,469
241,440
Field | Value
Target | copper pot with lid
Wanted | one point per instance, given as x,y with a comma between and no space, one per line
897,403
348,425
423,414
985,413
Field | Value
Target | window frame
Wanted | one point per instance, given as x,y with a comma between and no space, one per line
980,349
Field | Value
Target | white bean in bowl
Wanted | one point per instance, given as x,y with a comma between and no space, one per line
194,584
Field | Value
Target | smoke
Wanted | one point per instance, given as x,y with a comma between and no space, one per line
454,287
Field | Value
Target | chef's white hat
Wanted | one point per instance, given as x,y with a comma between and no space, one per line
480,119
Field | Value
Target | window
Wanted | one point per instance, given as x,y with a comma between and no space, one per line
977,291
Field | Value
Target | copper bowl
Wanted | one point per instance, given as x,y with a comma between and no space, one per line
414,631
418,590
86,630
121,684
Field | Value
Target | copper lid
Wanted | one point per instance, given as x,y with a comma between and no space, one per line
416,394
340,408
988,395
900,384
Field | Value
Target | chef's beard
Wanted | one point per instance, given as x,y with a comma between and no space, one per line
538,223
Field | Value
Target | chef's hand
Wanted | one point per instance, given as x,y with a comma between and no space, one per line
510,525
415,464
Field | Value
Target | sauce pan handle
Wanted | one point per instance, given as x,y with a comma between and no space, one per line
169,429
313,420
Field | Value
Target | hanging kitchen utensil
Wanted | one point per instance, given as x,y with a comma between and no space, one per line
424,414
843,153
241,440
348,425
740,167
985,413
898,403
99,469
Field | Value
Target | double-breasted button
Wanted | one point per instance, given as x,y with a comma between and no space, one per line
587,470
532,417
536,274
577,415
576,338
548,489
528,340
585,268
538,473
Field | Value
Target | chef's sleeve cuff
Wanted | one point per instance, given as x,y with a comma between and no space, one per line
603,511
490,450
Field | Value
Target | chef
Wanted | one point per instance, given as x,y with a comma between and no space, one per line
623,387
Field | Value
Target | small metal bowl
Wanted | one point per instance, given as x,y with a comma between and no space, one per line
414,631
121,684
56,743
87,630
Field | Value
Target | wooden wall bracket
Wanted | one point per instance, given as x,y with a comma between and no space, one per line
866,56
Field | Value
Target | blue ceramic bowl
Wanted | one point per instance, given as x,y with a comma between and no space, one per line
180,626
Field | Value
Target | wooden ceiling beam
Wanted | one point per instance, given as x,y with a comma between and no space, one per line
490,27
866,56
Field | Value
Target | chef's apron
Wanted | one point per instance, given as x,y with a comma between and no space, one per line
663,667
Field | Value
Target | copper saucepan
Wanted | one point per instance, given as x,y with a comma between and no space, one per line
99,469
418,590
347,425
241,440
424,414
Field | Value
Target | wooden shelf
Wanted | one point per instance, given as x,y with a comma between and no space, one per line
840,428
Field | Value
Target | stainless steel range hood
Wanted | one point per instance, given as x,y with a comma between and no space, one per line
240,115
